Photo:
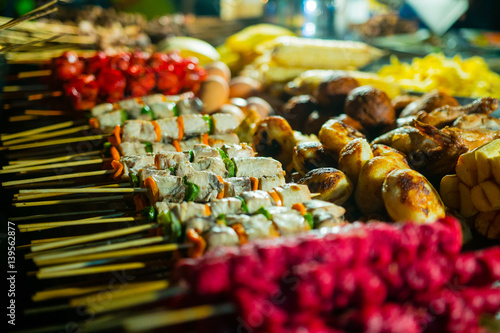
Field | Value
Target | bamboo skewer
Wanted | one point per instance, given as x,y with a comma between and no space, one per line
45,112
52,225
30,74
22,118
85,190
94,237
55,142
58,177
25,163
55,165
45,259
36,137
67,201
91,270
149,321
25,197
5,137
42,216
120,253
37,12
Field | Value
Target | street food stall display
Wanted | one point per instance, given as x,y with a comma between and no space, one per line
153,180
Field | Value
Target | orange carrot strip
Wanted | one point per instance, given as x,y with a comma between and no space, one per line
177,145
220,195
157,130
151,185
94,122
139,202
241,232
204,139
208,211
116,135
180,125
118,167
300,208
157,161
199,244
276,197
114,153
255,183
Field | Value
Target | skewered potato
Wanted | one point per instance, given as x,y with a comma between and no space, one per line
214,92
486,196
383,150
353,156
334,135
449,192
350,121
467,208
368,193
308,156
408,196
370,106
331,184
273,137
315,121
243,87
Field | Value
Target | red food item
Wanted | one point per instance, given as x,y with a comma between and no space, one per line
120,62
67,66
97,62
140,80
82,91
112,84
160,61
139,58
168,82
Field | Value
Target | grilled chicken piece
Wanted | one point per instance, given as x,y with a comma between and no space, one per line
128,148
138,130
150,171
472,122
224,123
256,199
325,214
212,164
256,166
291,194
217,140
134,163
255,226
236,186
268,183
235,150
186,210
194,125
170,188
402,101
162,109
133,108
201,152
226,206
166,160
220,235
288,221
109,120
169,128
445,115
429,150
189,144
208,183
160,147
429,102
200,224
101,109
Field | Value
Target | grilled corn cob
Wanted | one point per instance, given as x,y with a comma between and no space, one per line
322,54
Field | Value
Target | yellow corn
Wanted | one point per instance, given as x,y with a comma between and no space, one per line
322,54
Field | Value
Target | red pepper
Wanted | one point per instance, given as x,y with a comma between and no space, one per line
111,84
120,62
82,91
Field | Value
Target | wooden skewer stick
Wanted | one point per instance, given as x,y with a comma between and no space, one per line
41,241
42,216
25,163
56,165
58,177
41,136
67,201
45,112
5,137
86,190
149,321
30,74
90,270
73,266
15,88
52,225
94,237
55,142
25,197
123,253
36,97
22,117
125,292
60,257
133,300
